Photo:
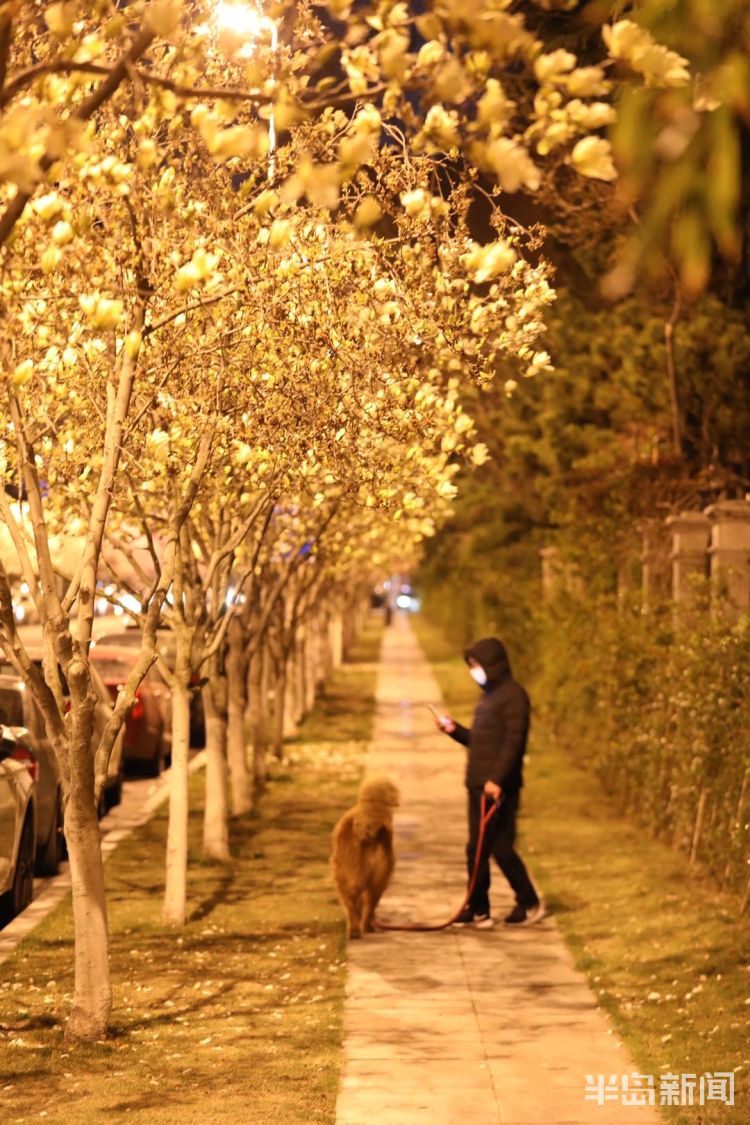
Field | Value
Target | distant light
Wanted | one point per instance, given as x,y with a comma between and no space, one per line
24,588
240,18
403,601
130,603
19,612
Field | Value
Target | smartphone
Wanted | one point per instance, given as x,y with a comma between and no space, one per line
437,717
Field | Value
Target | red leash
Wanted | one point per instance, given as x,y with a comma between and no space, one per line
418,927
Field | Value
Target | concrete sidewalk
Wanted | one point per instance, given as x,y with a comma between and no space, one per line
461,1026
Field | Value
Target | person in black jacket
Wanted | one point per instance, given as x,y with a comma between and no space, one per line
496,744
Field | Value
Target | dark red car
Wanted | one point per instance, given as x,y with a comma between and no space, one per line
148,727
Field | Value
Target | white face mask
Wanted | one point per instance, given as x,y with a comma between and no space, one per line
479,675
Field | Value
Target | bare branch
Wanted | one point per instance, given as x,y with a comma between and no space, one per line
6,38
151,328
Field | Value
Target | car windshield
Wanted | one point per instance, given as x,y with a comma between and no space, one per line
113,669
129,639
133,638
11,707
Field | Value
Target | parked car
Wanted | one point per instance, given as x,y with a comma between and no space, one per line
17,828
148,727
112,792
20,712
166,646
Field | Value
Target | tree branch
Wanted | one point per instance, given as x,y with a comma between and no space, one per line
669,330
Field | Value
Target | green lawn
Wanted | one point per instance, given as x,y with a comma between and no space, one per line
237,1017
666,953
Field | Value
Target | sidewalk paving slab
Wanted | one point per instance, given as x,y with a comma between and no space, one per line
495,1026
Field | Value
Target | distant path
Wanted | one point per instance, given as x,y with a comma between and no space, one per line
462,1026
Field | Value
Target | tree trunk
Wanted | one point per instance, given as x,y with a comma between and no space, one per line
216,812
175,891
348,631
698,828
279,711
310,663
92,997
289,696
298,681
239,774
258,720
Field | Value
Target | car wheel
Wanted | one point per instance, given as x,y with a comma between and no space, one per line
48,861
154,767
20,894
113,794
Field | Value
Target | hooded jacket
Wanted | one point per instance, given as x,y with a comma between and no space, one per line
497,738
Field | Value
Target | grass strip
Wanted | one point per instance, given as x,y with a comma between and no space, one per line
238,1016
664,951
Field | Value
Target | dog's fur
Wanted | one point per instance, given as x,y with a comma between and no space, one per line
362,853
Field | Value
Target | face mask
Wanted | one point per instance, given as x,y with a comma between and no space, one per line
479,675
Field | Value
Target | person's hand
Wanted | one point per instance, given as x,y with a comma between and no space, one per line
445,723
492,790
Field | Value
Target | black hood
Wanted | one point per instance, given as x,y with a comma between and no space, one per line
491,654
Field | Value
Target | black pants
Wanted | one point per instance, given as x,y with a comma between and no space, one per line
499,838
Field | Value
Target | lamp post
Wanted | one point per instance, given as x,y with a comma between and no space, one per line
247,22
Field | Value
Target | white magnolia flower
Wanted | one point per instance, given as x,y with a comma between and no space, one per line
592,157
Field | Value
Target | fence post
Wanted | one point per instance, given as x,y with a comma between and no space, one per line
730,552
690,538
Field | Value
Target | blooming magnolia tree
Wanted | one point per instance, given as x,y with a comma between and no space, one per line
188,348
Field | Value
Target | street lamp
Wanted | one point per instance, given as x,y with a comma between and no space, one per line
248,23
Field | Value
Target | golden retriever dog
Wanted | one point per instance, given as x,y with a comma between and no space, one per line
362,852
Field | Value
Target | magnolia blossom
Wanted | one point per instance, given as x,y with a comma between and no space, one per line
592,157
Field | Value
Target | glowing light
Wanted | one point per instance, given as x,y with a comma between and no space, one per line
248,23
243,20
403,601
130,604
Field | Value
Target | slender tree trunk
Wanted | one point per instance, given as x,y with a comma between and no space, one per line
745,898
310,663
239,774
298,681
216,813
698,828
92,997
348,627
336,631
175,891
257,711
290,695
669,331
279,711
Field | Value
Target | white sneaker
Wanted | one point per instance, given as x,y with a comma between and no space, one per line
535,914
483,922
520,916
